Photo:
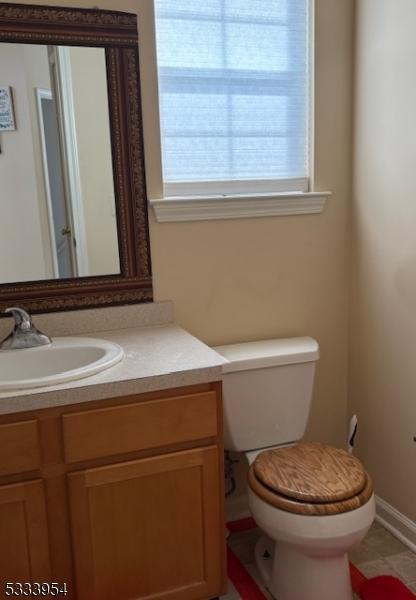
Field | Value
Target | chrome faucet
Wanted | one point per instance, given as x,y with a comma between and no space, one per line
24,334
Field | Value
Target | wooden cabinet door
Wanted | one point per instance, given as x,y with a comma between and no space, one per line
149,528
24,548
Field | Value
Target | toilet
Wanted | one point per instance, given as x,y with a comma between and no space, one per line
313,502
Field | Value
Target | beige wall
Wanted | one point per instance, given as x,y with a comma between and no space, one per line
383,372
247,279
259,278
24,255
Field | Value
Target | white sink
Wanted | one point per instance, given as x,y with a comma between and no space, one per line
66,359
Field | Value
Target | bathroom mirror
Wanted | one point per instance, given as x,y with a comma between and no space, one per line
73,225
64,206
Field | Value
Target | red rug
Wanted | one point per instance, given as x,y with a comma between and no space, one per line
378,588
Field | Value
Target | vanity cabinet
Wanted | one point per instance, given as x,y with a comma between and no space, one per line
122,500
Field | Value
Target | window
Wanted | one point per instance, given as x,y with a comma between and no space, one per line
234,86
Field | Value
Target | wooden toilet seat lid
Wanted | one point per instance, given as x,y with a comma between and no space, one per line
311,472
308,508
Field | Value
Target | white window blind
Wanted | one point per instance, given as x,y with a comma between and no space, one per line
234,94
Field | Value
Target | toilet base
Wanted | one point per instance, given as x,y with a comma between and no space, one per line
263,555
289,575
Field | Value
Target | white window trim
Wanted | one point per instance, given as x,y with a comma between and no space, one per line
183,201
238,206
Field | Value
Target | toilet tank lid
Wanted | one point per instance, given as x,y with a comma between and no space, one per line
268,353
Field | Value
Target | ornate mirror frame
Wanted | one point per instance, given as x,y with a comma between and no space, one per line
117,33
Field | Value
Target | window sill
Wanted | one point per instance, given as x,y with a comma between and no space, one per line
205,208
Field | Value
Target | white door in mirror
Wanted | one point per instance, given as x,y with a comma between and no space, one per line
66,359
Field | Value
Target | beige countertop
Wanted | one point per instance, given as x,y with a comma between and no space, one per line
156,358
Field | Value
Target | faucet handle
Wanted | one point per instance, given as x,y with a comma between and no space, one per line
21,317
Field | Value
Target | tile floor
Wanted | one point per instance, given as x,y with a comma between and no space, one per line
379,554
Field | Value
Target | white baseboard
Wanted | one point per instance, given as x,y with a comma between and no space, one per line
397,523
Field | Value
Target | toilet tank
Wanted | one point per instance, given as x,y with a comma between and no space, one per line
267,391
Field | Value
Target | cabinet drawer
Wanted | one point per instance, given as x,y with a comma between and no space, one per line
139,426
19,447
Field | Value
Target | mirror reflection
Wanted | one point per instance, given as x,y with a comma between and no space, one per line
58,216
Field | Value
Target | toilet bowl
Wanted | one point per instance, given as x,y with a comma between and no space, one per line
304,554
312,501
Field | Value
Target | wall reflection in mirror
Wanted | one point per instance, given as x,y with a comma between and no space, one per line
58,215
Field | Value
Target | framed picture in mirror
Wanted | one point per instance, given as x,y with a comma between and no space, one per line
7,121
